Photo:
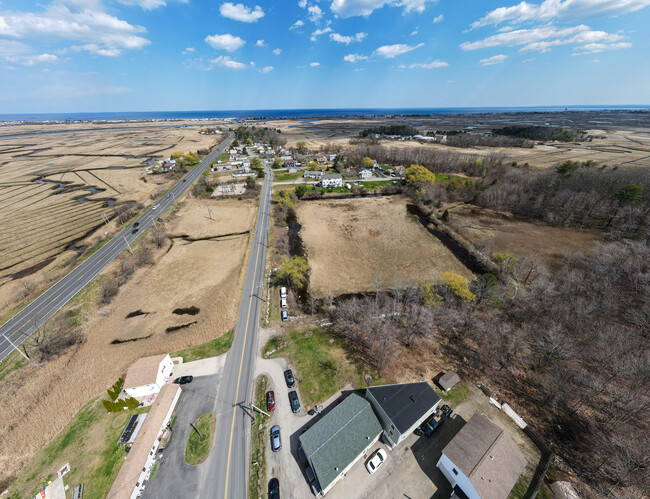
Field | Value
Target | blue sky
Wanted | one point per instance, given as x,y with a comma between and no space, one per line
148,55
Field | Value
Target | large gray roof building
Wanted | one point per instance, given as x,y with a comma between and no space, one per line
340,438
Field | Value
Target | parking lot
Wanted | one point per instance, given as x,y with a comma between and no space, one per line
410,470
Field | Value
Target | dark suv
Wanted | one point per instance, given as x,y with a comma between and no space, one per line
293,399
288,377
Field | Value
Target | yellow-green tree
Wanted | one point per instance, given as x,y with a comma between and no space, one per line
285,200
293,271
459,285
256,163
419,178
177,156
301,146
505,260
191,158
367,163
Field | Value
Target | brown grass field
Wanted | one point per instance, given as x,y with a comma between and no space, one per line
38,400
96,167
353,243
502,231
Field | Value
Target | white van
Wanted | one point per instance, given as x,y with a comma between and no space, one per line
283,302
283,292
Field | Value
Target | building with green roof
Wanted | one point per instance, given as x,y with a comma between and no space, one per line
340,438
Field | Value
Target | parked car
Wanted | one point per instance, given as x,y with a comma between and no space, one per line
274,488
134,231
446,410
285,315
293,400
183,380
283,302
288,377
155,207
276,441
168,195
430,425
136,224
184,180
283,292
376,460
270,400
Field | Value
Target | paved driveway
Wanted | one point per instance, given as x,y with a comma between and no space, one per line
175,478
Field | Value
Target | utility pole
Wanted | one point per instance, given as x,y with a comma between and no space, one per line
210,215
15,347
127,243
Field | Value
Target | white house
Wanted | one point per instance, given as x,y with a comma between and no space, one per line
365,173
313,174
147,376
331,157
330,180
401,408
481,462
140,460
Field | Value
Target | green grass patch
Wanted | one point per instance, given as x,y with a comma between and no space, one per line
456,395
153,471
198,447
89,444
171,426
324,363
285,177
521,487
257,478
212,348
223,157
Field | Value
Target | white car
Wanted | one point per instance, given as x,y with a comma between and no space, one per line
283,302
155,206
283,292
376,461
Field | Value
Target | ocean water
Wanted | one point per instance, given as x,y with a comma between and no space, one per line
291,113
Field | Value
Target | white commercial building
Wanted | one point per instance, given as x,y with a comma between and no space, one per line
147,376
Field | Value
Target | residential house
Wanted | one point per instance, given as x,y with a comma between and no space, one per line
293,169
331,157
313,174
147,376
140,460
330,180
286,157
364,173
481,462
401,408
340,439
289,164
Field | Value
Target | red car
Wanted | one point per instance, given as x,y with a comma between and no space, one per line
270,400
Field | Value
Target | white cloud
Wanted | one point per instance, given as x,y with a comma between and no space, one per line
544,37
267,69
146,4
336,37
495,59
89,26
594,48
349,8
277,51
260,43
438,19
319,32
430,65
391,51
297,24
302,4
12,47
224,42
226,62
314,64
596,61
415,31
239,12
354,58
189,49
572,10
31,60
315,13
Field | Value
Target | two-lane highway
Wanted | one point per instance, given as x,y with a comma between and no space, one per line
20,327
227,471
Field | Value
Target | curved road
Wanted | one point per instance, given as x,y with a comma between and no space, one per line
21,326
227,469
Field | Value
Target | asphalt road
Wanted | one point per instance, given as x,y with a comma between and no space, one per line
21,326
227,474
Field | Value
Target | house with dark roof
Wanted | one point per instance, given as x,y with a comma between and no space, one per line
339,439
402,408
481,462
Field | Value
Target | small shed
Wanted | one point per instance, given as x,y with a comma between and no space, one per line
448,380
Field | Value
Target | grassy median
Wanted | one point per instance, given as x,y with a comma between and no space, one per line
259,435
212,348
198,446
